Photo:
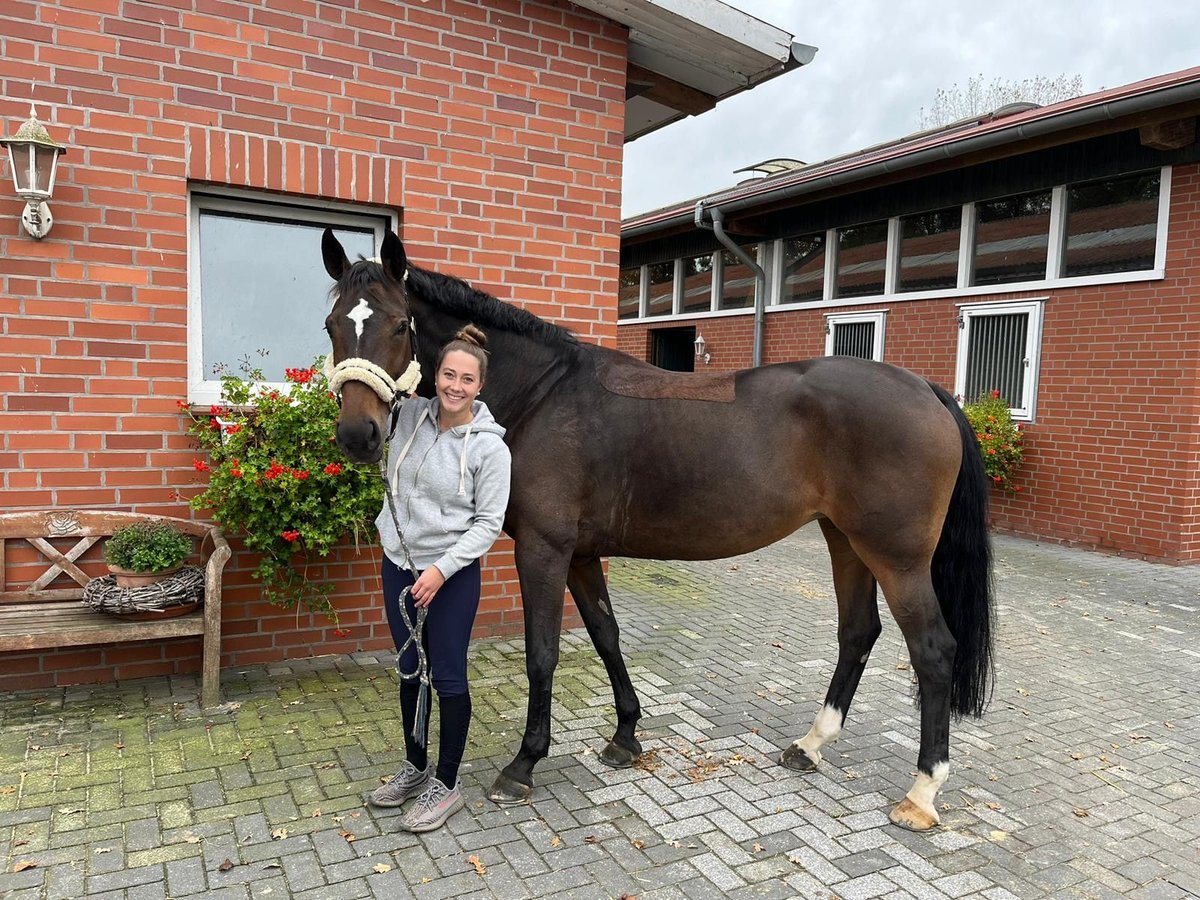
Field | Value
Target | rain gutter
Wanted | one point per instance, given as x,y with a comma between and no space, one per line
1078,118
760,277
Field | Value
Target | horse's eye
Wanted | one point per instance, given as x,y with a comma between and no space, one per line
402,327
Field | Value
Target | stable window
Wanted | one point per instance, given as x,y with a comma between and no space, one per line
1012,238
929,245
1111,225
629,293
803,277
698,283
855,334
660,284
738,280
258,289
861,260
998,347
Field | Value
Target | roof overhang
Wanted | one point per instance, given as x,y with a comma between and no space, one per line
686,55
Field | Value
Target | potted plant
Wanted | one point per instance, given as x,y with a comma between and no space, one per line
146,552
1000,438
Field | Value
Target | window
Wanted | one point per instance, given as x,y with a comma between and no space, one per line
1012,236
629,293
929,250
803,269
698,283
998,351
738,280
855,334
1112,225
661,286
257,283
861,260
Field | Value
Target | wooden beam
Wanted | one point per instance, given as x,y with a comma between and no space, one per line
1173,135
668,92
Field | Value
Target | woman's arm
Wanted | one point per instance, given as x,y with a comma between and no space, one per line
491,501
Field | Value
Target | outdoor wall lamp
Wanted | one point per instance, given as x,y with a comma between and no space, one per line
702,349
33,156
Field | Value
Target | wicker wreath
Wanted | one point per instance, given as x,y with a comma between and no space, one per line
182,588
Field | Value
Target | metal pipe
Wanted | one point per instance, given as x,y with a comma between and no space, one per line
1076,118
760,277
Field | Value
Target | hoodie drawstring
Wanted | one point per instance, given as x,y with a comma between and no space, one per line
462,464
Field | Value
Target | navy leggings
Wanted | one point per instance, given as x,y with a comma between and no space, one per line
447,629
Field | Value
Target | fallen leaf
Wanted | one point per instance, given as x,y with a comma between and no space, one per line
348,836
1076,756
591,839
273,865
759,848
191,838
480,868
8,789
993,806
1082,813
23,843
246,755
225,866
279,834
26,864
426,880
381,868
316,813
556,842
999,835
119,745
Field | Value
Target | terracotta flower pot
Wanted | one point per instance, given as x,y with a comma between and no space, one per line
127,579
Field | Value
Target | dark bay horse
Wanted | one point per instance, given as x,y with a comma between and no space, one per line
614,457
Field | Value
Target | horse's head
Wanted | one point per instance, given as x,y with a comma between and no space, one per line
374,352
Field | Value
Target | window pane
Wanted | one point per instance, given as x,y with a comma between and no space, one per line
629,293
737,279
854,339
996,357
803,269
1112,225
929,250
263,286
697,283
1011,238
662,288
862,255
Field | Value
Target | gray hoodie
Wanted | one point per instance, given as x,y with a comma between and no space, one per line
450,488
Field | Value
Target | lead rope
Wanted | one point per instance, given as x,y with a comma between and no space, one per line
415,630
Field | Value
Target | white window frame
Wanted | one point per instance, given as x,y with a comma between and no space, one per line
1034,309
204,388
878,317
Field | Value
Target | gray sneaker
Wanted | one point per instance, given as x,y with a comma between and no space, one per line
408,782
437,804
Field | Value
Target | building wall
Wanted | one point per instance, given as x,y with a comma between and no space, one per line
495,126
1113,459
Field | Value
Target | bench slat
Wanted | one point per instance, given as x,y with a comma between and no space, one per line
28,627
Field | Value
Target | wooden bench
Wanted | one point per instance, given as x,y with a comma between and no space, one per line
45,614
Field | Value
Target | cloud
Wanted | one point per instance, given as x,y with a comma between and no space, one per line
880,62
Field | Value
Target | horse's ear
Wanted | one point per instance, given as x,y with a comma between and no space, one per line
395,260
336,262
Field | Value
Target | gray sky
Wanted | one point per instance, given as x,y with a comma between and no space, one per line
880,61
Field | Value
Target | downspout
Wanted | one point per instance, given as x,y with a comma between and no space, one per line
717,227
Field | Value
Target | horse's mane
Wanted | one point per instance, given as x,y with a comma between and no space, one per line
459,299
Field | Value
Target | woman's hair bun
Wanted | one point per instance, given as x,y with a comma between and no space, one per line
472,334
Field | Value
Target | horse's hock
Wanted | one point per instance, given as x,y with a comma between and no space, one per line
47,556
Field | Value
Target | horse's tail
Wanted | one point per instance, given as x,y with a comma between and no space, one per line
962,574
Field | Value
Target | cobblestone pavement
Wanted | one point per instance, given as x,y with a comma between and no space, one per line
1083,779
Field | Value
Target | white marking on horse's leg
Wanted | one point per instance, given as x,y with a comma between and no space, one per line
361,312
925,788
825,728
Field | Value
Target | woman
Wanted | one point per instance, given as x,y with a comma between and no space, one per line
448,473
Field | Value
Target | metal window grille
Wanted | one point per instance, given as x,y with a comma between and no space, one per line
996,360
854,339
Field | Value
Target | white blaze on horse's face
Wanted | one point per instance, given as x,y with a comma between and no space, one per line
361,312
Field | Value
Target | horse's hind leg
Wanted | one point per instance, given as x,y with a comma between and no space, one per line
542,568
858,627
586,581
931,646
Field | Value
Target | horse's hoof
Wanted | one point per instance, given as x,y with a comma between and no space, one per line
911,817
800,760
510,792
619,757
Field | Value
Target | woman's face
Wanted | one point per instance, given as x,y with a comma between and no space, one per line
458,382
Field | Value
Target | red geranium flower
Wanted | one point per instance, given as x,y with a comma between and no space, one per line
299,474
333,469
199,465
291,536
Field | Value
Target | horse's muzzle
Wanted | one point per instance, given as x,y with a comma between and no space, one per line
361,440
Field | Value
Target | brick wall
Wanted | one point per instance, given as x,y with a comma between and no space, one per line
1113,460
495,126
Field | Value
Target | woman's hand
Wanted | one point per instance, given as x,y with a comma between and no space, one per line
427,586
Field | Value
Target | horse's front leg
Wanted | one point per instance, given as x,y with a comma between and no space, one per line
586,580
542,569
